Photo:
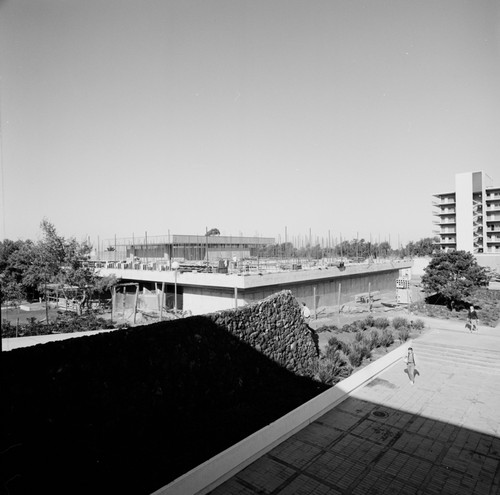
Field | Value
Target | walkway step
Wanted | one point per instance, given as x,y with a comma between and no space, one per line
491,370
474,353
488,357
483,360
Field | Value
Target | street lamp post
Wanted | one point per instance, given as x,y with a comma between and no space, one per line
175,266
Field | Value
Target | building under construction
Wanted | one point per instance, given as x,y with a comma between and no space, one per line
182,247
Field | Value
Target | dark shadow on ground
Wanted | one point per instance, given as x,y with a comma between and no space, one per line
416,372
361,447
129,411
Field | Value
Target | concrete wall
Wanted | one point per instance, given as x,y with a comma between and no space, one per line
327,291
202,300
489,260
419,265
207,292
465,238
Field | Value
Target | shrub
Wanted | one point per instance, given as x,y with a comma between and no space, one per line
355,356
404,333
381,322
327,328
372,339
8,330
350,327
418,324
369,321
386,338
335,345
64,323
358,325
399,322
358,336
334,368
357,352
34,327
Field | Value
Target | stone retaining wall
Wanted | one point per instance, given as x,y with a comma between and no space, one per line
275,327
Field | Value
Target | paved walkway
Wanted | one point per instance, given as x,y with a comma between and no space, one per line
439,436
9,344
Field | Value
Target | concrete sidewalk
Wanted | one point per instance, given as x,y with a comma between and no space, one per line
439,436
9,344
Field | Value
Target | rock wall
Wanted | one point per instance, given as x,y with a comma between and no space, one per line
275,327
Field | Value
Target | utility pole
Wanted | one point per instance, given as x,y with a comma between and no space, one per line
206,241
286,237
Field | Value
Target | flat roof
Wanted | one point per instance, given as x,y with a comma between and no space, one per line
252,280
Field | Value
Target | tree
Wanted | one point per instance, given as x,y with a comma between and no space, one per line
453,275
212,232
18,279
27,267
423,247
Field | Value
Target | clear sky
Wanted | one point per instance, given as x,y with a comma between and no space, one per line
132,116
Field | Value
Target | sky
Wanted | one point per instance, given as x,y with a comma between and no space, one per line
329,118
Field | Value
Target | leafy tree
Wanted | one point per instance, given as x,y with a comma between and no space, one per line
453,275
422,247
285,249
27,267
16,259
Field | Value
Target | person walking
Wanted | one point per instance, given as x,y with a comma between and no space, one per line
306,313
410,364
472,317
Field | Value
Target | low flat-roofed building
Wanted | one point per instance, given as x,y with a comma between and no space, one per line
182,247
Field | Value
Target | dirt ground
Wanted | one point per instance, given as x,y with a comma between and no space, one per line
12,315
328,316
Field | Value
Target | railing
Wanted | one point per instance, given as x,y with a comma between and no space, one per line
247,266
445,201
443,222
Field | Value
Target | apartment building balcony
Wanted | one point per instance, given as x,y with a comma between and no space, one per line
492,195
444,222
492,208
444,202
493,240
445,212
448,242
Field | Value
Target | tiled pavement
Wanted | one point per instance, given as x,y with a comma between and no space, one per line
439,436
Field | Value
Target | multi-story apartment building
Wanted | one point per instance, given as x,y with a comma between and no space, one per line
469,218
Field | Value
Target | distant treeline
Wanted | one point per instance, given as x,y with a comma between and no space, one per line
356,249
